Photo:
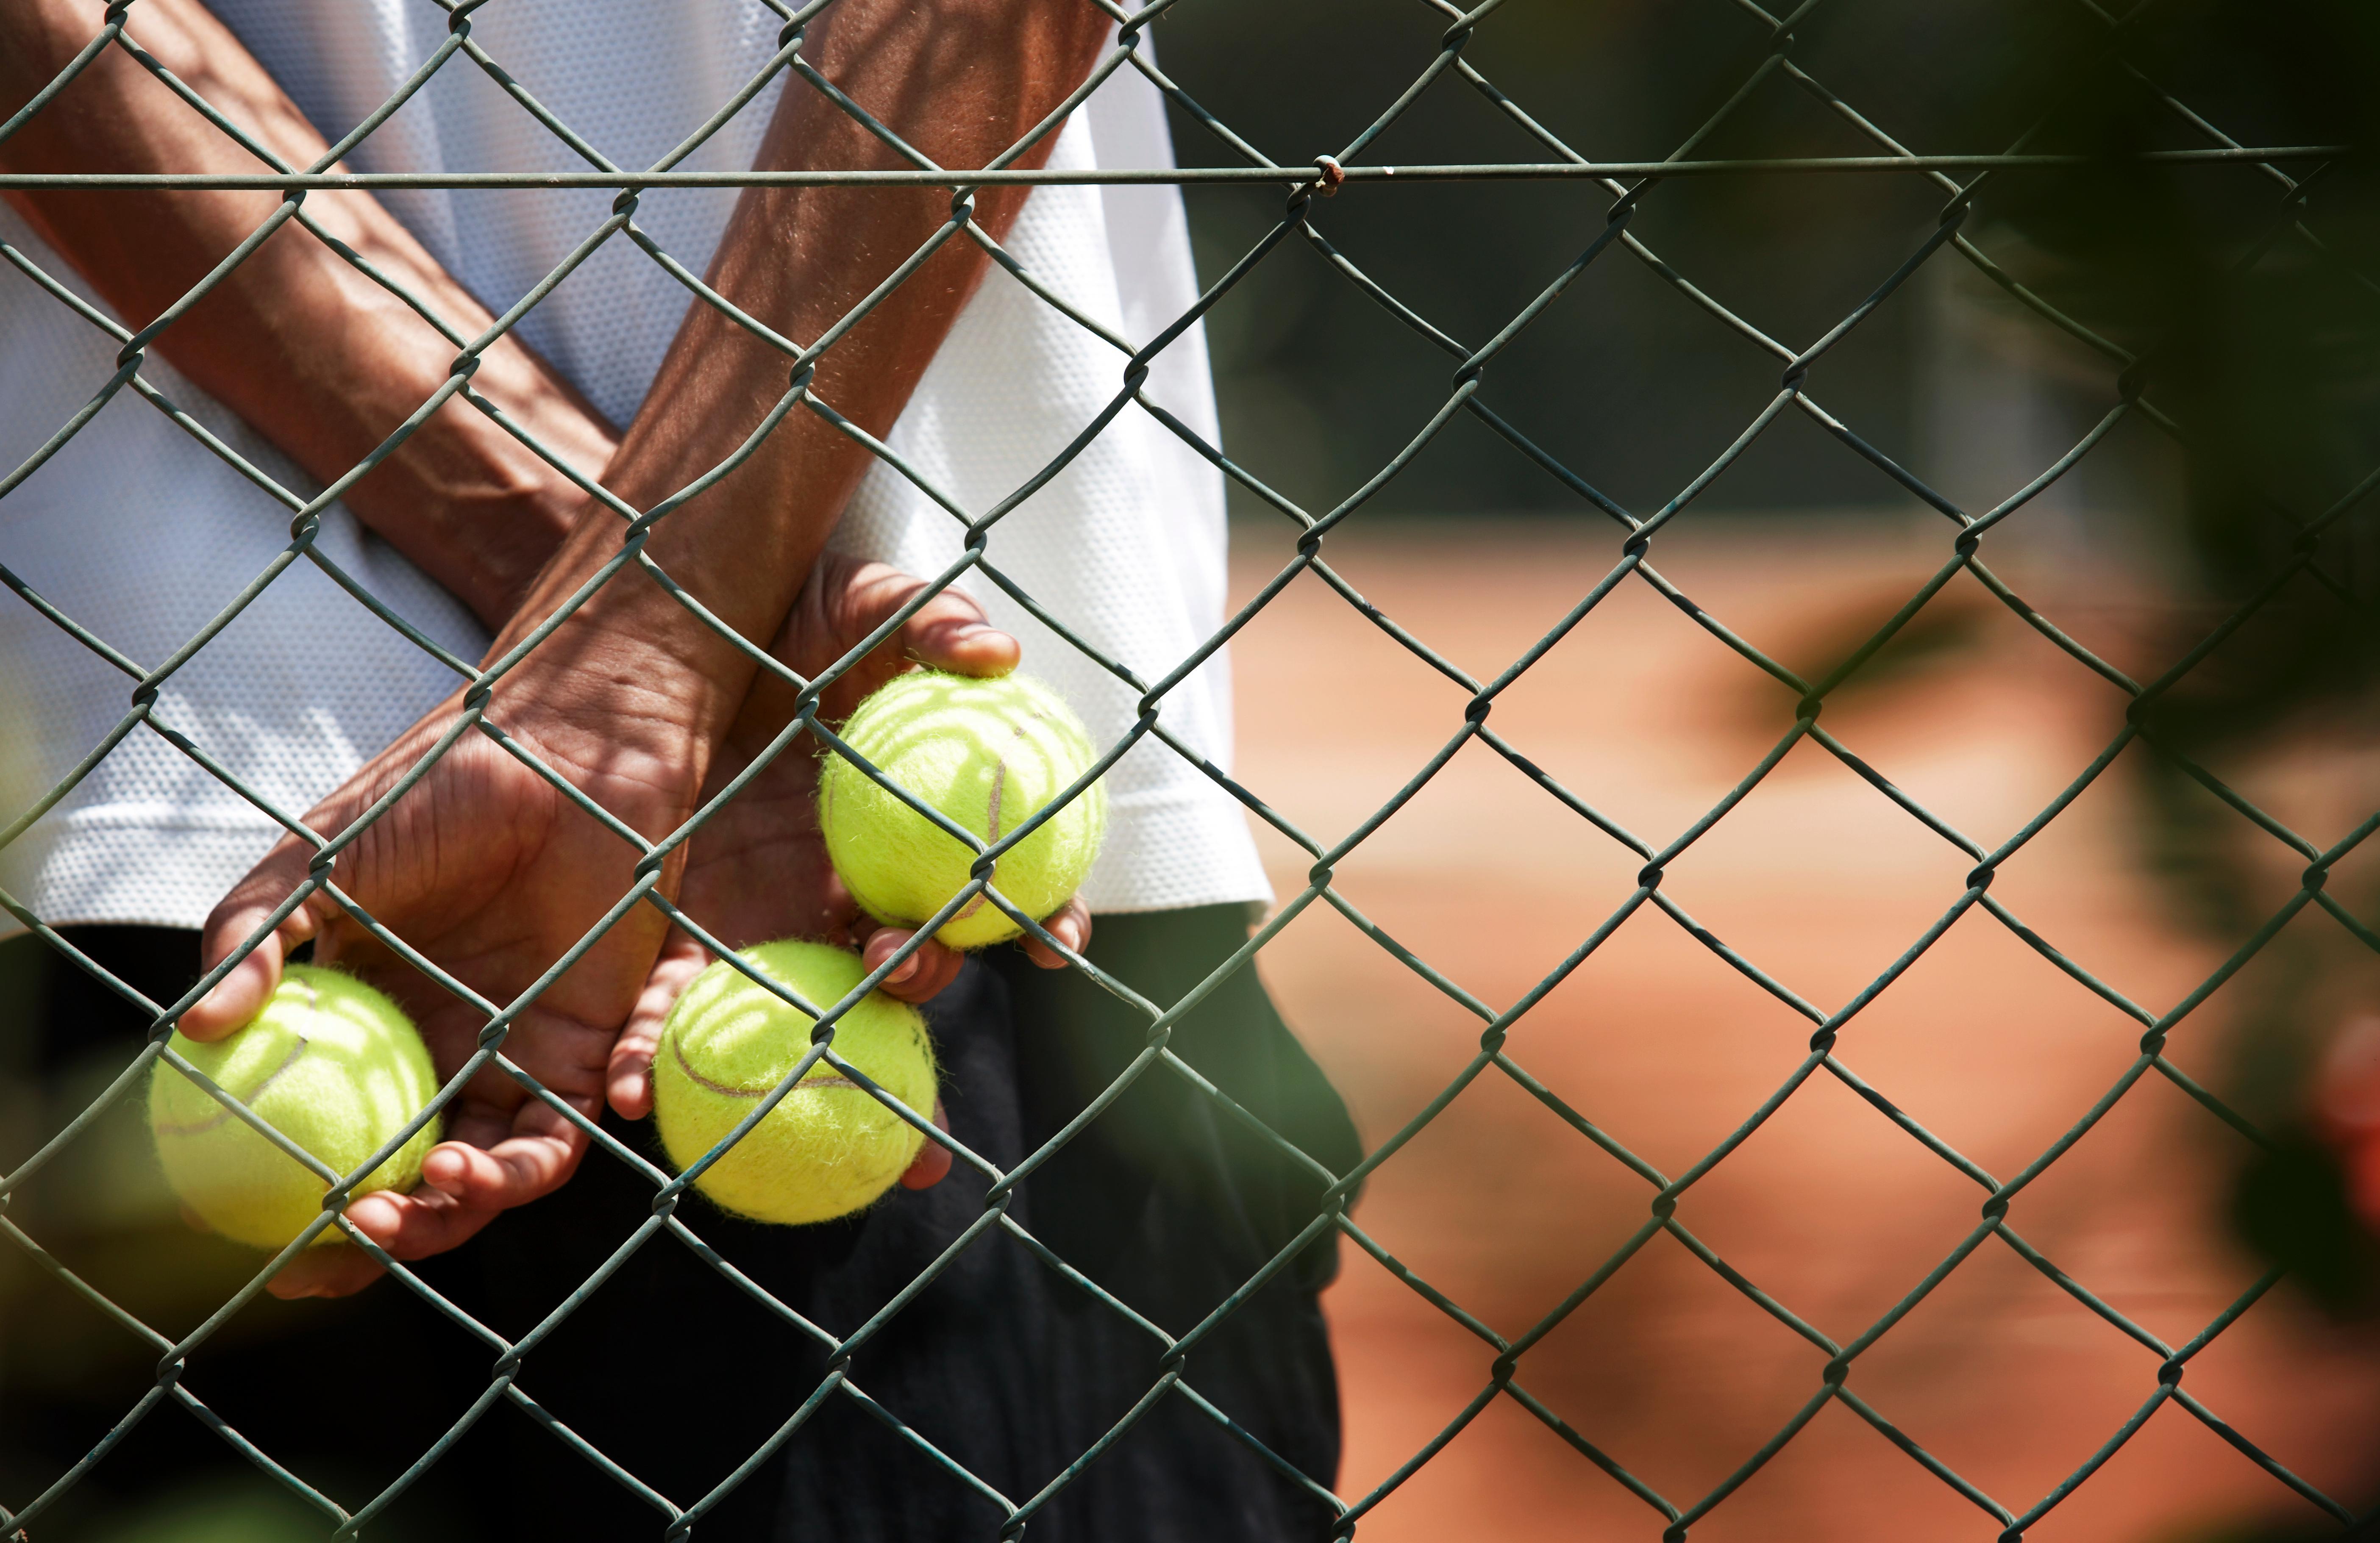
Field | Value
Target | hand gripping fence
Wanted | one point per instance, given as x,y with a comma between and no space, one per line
1961,181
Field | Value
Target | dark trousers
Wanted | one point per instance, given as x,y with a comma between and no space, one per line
1004,1365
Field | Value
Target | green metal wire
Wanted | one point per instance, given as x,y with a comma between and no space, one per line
1305,178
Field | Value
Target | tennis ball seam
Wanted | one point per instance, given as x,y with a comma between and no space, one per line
948,743
991,818
297,1053
677,1050
356,1076
992,837
733,1043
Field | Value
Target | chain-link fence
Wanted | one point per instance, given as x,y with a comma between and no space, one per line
1964,183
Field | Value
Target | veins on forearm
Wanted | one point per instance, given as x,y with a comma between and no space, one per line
962,80
317,357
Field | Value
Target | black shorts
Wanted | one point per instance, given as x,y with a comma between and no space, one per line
1002,1364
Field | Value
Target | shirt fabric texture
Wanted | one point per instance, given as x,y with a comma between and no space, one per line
142,534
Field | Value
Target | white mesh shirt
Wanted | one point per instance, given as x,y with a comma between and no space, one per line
142,536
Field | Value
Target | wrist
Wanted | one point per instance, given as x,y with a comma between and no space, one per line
477,510
630,660
622,721
488,536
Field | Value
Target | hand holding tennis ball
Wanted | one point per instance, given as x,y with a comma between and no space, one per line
989,754
331,1064
758,868
829,1147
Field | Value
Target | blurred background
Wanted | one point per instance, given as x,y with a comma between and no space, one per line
2248,297
2252,303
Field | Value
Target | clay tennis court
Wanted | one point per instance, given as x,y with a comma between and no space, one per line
1830,1208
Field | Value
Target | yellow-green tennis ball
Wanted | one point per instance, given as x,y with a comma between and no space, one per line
988,754
331,1064
829,1147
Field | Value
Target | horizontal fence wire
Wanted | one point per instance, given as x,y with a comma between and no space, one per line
1331,171
1307,178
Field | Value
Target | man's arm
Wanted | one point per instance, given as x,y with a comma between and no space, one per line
320,360
481,866
962,80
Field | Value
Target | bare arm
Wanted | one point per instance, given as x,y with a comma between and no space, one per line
481,866
962,81
320,360
634,683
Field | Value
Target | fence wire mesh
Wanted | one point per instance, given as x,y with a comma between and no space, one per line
1963,182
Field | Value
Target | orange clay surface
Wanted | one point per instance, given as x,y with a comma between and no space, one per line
1830,1208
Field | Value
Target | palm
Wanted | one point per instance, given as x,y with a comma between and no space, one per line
758,870
486,869
531,877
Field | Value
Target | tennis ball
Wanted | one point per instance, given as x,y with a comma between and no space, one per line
988,754
829,1147
331,1064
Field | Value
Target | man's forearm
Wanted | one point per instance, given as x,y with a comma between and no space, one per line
962,80
320,360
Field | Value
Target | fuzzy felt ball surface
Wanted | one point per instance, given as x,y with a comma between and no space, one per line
331,1064
829,1147
989,754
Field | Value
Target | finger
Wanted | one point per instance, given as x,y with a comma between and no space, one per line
463,1188
846,926
241,995
330,1271
933,1160
1071,926
513,1172
922,974
950,632
428,1221
628,1079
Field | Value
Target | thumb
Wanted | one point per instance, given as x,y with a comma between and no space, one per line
949,632
630,1078
241,995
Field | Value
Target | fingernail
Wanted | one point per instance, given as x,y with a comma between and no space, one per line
908,967
441,1171
370,1217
